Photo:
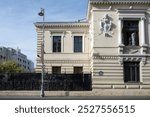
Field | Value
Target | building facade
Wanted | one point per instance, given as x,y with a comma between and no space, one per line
7,54
113,44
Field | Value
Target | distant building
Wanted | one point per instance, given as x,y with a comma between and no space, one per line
16,55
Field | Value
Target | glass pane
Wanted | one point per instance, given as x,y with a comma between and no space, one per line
77,43
56,43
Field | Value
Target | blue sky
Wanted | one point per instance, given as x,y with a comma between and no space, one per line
17,18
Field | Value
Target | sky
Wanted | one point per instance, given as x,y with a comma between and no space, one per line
17,18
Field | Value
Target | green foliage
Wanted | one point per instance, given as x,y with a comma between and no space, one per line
10,67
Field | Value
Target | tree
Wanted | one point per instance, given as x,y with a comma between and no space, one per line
10,67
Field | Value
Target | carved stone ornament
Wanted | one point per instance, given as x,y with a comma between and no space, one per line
132,51
132,59
106,25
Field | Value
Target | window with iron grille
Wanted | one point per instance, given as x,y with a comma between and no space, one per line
131,72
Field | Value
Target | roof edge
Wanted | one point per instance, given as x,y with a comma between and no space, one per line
118,2
62,24
109,2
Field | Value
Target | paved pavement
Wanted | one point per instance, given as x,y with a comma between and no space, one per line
75,98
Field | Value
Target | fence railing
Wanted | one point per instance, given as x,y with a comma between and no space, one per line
26,81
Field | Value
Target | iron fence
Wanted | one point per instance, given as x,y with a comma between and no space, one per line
32,81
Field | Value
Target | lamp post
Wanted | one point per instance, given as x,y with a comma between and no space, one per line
42,13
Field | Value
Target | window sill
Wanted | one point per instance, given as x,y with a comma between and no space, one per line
56,52
78,52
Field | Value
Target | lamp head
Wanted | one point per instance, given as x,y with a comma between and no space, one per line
41,13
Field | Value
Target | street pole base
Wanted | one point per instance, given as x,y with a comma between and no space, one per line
42,94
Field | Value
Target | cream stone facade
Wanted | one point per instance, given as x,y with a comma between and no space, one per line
115,44
67,58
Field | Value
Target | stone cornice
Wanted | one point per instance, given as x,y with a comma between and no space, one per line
95,56
114,2
64,61
133,55
119,2
62,24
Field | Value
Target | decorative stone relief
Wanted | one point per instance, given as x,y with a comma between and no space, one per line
130,50
132,59
106,25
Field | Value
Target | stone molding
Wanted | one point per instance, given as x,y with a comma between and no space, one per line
133,59
65,61
97,56
62,24
119,2
122,58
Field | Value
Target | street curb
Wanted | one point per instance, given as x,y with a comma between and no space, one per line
98,92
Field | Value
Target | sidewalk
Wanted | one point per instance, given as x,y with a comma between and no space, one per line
98,92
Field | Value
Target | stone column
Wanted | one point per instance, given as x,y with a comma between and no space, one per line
51,41
63,41
120,42
83,42
143,41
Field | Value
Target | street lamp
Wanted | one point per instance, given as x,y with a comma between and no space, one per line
42,13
